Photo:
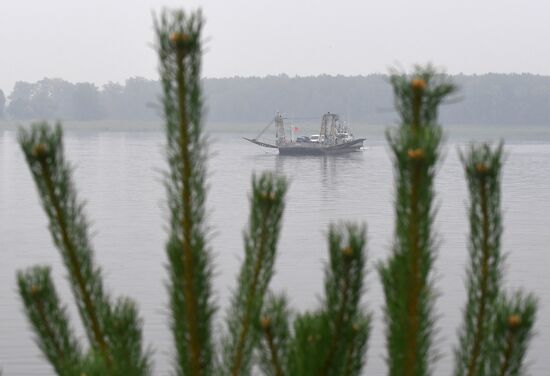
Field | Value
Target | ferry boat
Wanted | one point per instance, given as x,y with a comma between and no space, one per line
334,138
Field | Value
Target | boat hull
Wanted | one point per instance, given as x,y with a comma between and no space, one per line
319,149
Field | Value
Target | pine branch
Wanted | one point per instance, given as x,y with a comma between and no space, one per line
49,320
515,317
484,274
436,89
44,153
310,344
43,149
333,340
406,276
124,330
190,266
414,234
273,348
344,279
276,366
357,346
267,205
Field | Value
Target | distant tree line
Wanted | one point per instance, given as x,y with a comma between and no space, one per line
488,99
59,99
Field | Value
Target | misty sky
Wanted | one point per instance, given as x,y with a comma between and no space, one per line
101,41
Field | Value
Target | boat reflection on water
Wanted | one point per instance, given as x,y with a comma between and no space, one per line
329,171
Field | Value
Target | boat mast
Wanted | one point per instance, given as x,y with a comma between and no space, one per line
280,130
324,124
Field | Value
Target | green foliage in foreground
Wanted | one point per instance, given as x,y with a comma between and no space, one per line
406,275
497,326
262,332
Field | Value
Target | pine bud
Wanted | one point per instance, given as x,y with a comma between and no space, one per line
481,168
265,322
39,151
514,321
418,84
35,290
182,41
416,154
347,251
268,196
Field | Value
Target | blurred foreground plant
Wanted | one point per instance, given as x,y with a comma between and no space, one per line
262,332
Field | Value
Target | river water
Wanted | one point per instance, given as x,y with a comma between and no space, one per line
119,174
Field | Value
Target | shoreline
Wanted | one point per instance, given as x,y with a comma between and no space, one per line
454,132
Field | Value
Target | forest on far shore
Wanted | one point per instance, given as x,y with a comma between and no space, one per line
488,99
